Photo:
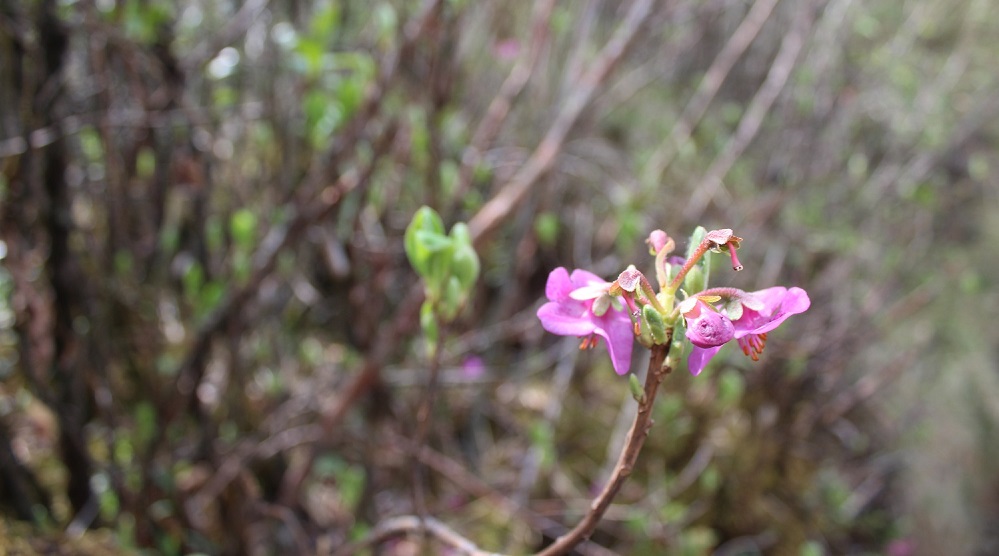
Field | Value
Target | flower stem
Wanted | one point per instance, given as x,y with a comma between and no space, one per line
629,454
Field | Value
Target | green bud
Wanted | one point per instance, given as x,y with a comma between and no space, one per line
656,325
637,391
645,331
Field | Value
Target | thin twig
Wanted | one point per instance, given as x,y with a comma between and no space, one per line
499,208
532,461
711,184
500,106
629,455
407,524
708,88
423,418
472,484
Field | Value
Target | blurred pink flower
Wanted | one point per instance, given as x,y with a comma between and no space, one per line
506,49
762,311
579,305
473,367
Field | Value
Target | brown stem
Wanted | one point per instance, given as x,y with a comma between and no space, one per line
423,414
626,461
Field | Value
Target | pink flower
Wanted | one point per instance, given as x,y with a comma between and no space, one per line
761,312
579,305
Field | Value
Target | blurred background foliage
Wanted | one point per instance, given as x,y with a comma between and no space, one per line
209,333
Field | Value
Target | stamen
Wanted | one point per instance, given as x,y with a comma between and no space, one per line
753,345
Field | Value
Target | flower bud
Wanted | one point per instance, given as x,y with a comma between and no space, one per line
637,391
656,325
706,327
658,241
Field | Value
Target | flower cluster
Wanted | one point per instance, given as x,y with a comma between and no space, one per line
582,304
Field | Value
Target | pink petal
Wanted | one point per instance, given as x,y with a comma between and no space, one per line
565,319
620,337
582,278
699,358
795,301
559,284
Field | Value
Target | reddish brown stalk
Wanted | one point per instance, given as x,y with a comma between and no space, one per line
696,256
626,461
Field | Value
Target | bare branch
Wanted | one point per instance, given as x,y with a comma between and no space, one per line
708,88
711,184
492,214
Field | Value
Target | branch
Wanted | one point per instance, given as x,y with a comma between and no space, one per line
497,209
500,106
626,462
757,110
407,524
708,88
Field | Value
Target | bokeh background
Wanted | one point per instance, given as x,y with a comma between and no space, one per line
209,337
